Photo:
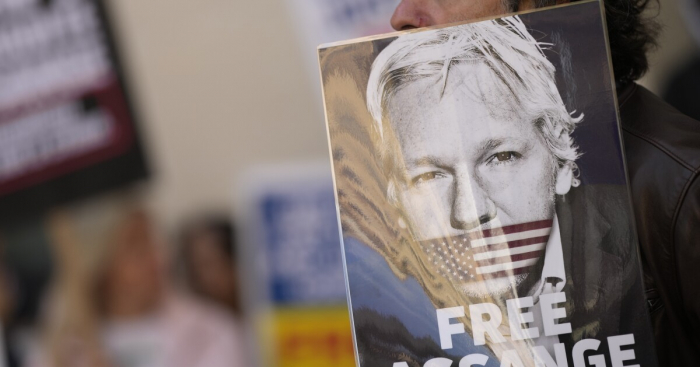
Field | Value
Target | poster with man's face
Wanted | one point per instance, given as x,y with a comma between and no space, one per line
482,195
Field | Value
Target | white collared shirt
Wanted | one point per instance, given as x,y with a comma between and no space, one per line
553,275
552,280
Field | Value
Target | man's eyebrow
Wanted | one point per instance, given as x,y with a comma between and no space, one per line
488,146
428,160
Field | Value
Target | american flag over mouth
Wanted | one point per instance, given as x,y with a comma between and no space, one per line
490,253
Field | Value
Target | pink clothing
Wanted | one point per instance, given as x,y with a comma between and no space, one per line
185,332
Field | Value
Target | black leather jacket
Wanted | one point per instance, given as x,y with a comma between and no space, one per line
662,149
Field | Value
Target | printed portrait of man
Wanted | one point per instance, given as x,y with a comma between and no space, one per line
478,149
477,164
477,142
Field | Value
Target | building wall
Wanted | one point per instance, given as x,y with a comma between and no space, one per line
221,86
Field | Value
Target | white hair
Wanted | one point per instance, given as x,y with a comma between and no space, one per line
510,52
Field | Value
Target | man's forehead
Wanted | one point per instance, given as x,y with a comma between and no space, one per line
474,84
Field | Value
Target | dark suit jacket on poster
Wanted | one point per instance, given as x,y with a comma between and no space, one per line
604,287
604,291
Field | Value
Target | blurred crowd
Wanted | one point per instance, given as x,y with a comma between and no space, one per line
123,294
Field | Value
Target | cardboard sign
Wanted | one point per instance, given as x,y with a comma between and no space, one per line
297,291
67,129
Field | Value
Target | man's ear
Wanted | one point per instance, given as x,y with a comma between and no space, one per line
565,177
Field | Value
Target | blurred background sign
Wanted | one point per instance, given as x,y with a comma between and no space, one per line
292,238
302,247
314,337
66,126
323,21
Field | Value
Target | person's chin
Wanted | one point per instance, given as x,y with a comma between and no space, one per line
491,288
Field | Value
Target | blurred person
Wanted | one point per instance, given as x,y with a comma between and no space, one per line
208,251
25,270
662,149
127,314
8,304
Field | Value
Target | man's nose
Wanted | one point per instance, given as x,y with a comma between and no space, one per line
409,15
471,206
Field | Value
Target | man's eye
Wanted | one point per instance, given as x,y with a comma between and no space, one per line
425,177
505,156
